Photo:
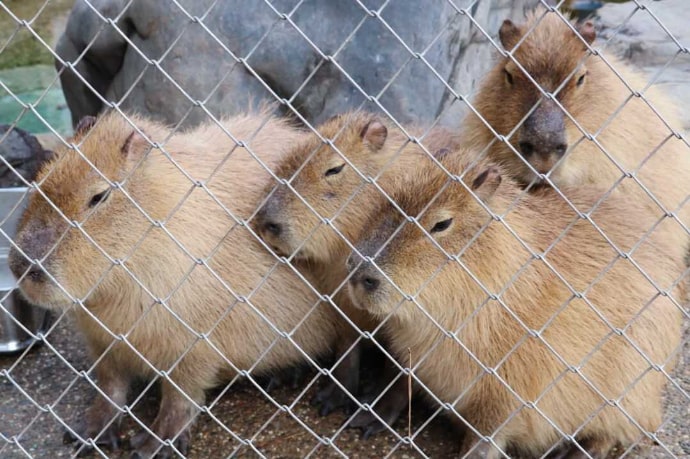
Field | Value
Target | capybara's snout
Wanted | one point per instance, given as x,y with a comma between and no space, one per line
28,255
543,133
270,227
366,277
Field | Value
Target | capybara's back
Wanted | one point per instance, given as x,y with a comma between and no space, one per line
553,330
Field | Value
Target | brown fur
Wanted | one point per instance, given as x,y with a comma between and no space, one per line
383,152
635,137
344,198
156,265
535,296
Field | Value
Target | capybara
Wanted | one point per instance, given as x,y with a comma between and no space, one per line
527,320
326,205
598,125
149,248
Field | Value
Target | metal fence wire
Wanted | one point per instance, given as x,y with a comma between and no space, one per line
493,267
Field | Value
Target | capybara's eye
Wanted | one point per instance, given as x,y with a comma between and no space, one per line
441,226
509,77
100,197
335,170
581,79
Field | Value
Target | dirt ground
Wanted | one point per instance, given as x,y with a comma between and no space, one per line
42,389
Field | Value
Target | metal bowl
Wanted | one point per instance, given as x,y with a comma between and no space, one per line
19,320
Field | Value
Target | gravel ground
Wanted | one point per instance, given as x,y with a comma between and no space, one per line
46,377
39,391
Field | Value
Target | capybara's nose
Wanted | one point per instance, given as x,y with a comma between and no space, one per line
266,225
272,228
370,284
560,149
544,149
366,276
526,148
36,274
19,265
543,132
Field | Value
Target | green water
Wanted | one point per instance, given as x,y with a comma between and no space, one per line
27,85
50,105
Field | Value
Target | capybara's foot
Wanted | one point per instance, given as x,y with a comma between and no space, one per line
171,426
474,448
96,431
388,408
101,422
146,446
368,423
292,378
331,398
586,448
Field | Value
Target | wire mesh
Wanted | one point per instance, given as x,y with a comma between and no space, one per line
211,275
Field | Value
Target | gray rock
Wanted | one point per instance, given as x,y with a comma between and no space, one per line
654,39
649,36
23,153
322,56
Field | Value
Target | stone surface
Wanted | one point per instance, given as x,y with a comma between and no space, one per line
23,152
654,38
164,59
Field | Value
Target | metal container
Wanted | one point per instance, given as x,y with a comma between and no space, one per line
19,321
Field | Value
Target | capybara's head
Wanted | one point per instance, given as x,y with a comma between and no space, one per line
316,207
79,223
407,254
549,56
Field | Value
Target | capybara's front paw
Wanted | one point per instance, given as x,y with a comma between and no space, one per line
331,398
92,430
595,448
388,409
147,446
293,378
368,423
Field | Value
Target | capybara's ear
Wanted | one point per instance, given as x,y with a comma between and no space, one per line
84,125
486,183
135,145
374,134
509,34
586,30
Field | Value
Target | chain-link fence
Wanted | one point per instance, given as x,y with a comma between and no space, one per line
362,228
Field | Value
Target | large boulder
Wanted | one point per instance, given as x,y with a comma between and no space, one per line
654,39
324,57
